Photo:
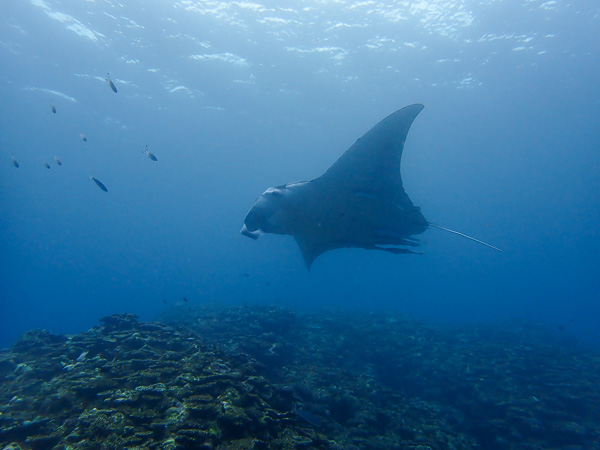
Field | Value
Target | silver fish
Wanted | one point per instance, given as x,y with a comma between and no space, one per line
150,155
99,183
111,84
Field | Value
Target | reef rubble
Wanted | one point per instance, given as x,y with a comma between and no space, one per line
258,377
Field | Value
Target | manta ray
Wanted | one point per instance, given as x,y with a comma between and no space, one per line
359,202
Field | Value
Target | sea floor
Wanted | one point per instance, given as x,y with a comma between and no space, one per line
266,377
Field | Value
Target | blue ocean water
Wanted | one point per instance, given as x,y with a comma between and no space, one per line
234,97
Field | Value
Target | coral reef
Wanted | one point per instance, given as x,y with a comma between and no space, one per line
265,377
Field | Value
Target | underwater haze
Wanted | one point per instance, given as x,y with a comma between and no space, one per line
234,97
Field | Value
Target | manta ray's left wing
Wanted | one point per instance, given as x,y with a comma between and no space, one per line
372,165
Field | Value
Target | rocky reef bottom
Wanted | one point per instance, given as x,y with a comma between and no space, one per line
258,377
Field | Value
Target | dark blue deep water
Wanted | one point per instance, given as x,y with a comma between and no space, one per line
234,97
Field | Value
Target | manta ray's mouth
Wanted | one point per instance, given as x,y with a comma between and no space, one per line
261,212
254,220
251,234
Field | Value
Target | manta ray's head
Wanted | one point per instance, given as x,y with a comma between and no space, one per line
262,216
271,211
264,207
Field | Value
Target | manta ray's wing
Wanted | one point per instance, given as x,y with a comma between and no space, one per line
360,201
372,164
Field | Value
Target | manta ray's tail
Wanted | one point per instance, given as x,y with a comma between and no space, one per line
463,235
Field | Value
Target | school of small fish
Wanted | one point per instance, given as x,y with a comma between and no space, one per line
84,138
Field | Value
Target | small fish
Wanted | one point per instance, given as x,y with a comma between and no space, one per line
110,83
57,161
47,165
99,183
14,161
184,299
150,155
53,107
83,137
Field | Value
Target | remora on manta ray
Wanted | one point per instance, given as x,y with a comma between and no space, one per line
359,202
